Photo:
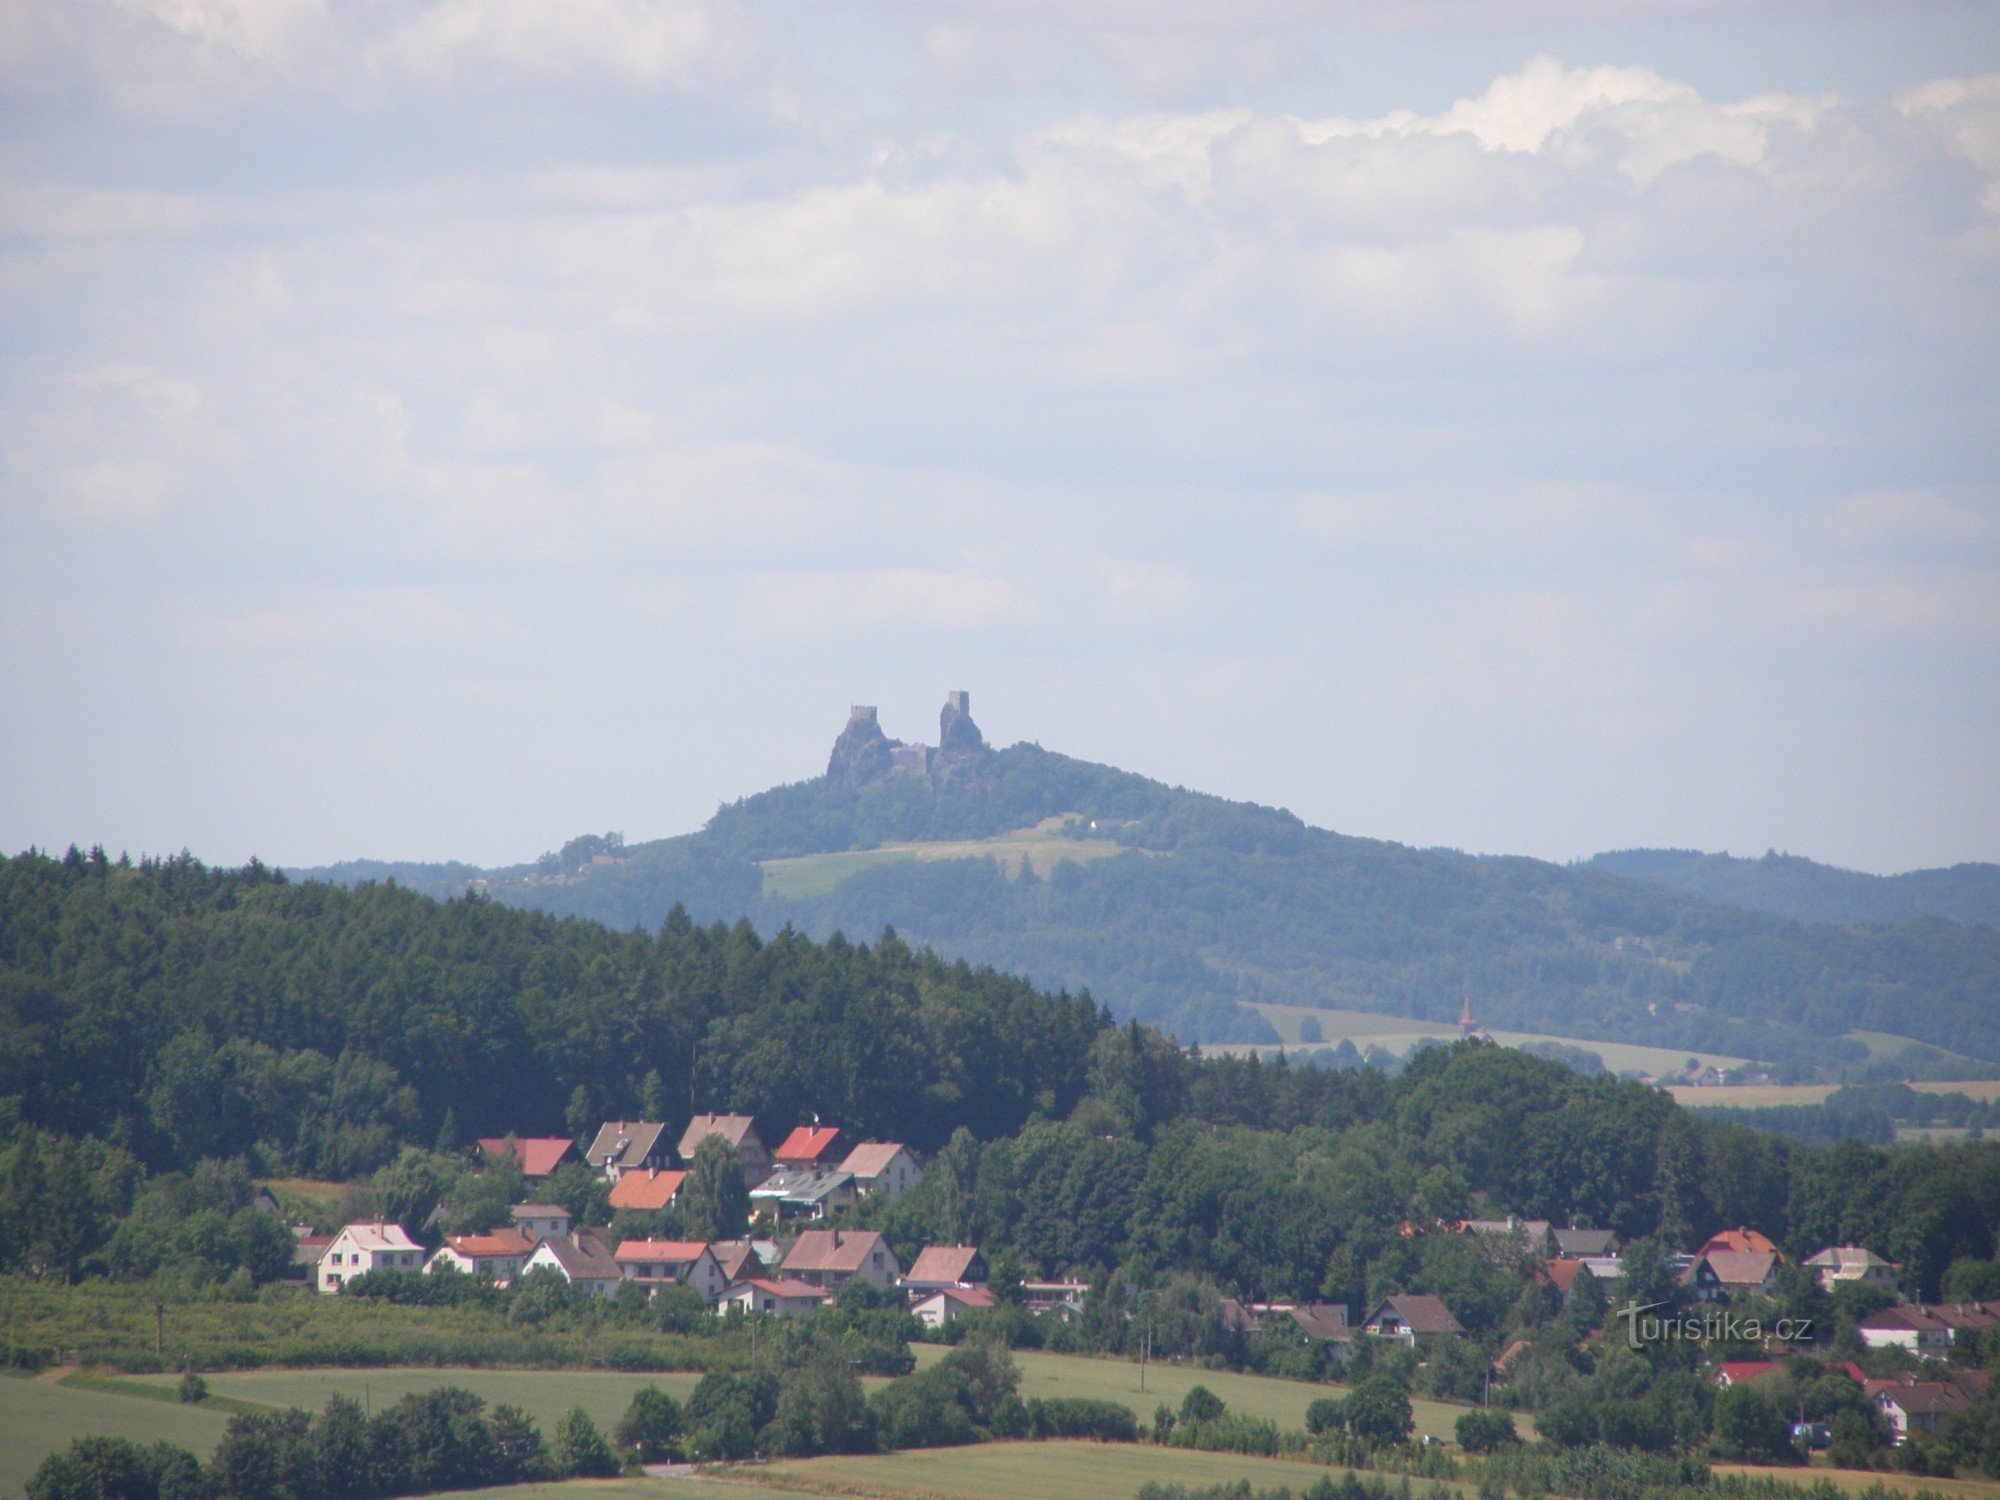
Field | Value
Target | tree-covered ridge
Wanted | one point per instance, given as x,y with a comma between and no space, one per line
1807,891
192,1013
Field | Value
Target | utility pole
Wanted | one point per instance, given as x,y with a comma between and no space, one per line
159,1329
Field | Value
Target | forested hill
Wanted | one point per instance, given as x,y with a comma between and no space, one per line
189,1013
1185,910
1807,891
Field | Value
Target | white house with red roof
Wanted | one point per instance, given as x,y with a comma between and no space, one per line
361,1248
657,1263
783,1298
583,1260
813,1145
499,1254
647,1191
939,1266
951,1302
538,1155
882,1167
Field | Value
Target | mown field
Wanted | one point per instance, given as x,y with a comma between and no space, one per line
1400,1033
1856,1481
39,1417
1767,1095
1040,848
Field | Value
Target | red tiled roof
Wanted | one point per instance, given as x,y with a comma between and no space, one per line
1742,1240
676,1252
646,1191
942,1265
497,1242
807,1143
832,1250
1561,1274
965,1296
1736,1371
785,1288
871,1158
539,1154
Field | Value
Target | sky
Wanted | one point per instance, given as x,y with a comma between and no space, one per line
436,428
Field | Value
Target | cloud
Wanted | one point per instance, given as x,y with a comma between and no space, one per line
804,604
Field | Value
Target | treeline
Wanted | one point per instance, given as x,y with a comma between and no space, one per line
1869,1113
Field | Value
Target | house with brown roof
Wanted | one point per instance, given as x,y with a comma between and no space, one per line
1907,1326
538,1155
657,1263
1846,1265
1966,1320
645,1192
582,1260
882,1168
1742,1240
1918,1405
1737,1371
498,1255
738,1258
780,1298
623,1146
1743,1273
1513,1238
1586,1244
1412,1318
952,1302
307,1250
740,1132
1562,1275
812,1145
1322,1322
539,1220
364,1247
940,1266
830,1257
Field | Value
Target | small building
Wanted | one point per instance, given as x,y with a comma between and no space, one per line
1743,1273
1699,1277
657,1263
740,1132
498,1255
939,1266
1907,1326
625,1146
1413,1319
1848,1265
265,1201
645,1192
538,1155
308,1249
1742,1240
1063,1298
832,1257
947,1304
1562,1275
360,1248
803,1192
1919,1405
809,1146
1586,1244
1322,1322
882,1168
540,1220
1510,1237
781,1299
583,1260
1737,1371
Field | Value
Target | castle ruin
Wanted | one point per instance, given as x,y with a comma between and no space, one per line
864,754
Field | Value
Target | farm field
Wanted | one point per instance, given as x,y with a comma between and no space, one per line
1040,848
545,1395
39,1417
1766,1095
1047,1471
1281,1401
1856,1481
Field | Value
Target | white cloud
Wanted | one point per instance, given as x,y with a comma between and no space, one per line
806,604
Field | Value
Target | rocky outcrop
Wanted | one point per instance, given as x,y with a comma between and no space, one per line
863,753
957,734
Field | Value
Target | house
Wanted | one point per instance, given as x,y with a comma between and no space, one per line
1918,1405
1562,1275
656,1263
1511,1236
625,1146
1411,1319
540,1220
1736,1371
1844,1265
1699,1277
803,1192
1907,1326
829,1257
1743,1273
645,1192
1740,1239
499,1255
265,1201
1322,1322
1586,1244
950,1302
538,1155
781,1299
308,1249
740,1132
360,1248
740,1259
1966,1320
1063,1298
811,1145
882,1167
940,1266
583,1260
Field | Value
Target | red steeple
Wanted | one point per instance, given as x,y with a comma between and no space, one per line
1466,1025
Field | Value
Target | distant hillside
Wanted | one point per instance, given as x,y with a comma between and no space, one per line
1185,909
1807,891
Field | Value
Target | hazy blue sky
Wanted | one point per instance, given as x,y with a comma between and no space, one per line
440,427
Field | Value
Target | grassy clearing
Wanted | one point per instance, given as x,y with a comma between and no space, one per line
1040,848
1752,1095
1855,1481
1280,1401
39,1417
1400,1033
1008,1471
1986,1090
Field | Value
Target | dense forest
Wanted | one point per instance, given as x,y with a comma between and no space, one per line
1789,885
1207,906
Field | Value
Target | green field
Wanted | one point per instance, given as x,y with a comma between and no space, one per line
1046,1471
1398,1034
39,1417
1281,1401
1856,1481
1040,849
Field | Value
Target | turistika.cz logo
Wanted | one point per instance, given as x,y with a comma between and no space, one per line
1708,1326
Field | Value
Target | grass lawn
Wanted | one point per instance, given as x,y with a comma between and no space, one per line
1855,1481
545,1395
1400,1033
1040,848
39,1417
1009,1471
1281,1401
627,1489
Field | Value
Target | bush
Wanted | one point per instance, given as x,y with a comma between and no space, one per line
581,1452
1378,1410
1201,1404
1325,1414
193,1390
650,1426
1483,1431
1081,1417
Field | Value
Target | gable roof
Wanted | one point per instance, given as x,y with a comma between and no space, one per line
943,1265
1903,1318
732,1128
786,1288
1854,1258
625,1143
538,1211
1741,1267
646,1191
1923,1397
737,1257
581,1256
973,1298
378,1236
1561,1274
670,1252
1322,1320
807,1143
485,1246
539,1155
1419,1313
1736,1371
832,1250
871,1158
1586,1242
1740,1239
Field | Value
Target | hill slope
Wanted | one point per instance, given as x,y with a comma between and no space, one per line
1807,891
1189,908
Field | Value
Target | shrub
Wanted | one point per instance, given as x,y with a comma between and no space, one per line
581,1452
1484,1430
192,1390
